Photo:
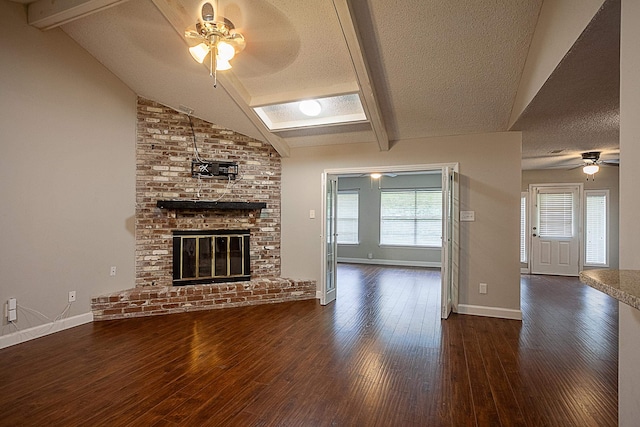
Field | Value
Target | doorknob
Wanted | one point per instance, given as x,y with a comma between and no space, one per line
535,235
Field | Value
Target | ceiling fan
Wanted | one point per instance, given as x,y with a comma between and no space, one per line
591,162
219,40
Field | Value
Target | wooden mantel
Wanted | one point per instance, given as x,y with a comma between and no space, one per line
209,205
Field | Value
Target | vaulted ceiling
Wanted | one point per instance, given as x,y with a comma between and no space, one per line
421,68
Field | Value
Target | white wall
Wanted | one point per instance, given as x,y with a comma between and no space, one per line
67,172
605,179
490,186
629,336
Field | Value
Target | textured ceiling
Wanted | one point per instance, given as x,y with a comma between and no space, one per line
446,67
422,68
577,109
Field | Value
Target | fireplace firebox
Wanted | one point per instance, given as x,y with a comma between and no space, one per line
210,256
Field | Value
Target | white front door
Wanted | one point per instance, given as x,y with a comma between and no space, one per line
555,229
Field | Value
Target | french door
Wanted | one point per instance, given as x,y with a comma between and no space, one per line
450,240
555,229
450,233
330,239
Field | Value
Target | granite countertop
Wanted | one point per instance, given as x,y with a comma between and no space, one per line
623,285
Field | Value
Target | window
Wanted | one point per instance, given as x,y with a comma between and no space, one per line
596,227
556,215
523,228
411,218
347,212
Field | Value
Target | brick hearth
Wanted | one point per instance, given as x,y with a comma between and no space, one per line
154,300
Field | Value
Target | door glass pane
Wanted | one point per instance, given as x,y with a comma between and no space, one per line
556,215
331,232
235,255
188,258
204,257
221,256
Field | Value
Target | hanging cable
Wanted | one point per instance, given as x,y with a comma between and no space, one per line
195,144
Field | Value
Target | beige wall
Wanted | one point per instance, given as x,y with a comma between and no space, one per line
67,172
629,336
490,186
605,179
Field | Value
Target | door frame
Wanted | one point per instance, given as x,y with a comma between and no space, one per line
532,203
441,167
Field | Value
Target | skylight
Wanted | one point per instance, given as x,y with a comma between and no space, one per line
333,110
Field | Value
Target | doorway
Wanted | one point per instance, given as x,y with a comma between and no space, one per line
449,238
556,223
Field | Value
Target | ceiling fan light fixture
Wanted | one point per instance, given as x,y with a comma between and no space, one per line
590,169
310,107
226,52
199,52
222,64
218,35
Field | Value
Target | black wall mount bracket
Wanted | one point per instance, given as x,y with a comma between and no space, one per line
212,169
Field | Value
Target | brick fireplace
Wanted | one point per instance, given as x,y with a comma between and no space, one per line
164,153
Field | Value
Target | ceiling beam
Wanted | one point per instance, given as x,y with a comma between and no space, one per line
236,91
48,14
361,68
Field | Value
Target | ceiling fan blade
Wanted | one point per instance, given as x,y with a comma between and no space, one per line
237,41
192,34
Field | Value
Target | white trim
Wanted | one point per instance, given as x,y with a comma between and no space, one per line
480,310
435,167
46,329
524,270
401,263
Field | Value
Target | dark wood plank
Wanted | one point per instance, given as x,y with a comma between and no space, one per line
378,356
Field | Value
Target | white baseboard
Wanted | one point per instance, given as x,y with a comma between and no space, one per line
42,330
480,310
401,263
524,270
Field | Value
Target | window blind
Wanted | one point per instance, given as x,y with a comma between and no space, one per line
596,228
411,218
556,215
347,217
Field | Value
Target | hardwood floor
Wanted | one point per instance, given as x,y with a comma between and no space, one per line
378,356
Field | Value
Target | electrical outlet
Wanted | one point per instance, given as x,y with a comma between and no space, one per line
112,272
72,296
483,288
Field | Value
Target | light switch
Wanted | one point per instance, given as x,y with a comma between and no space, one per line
312,214
467,215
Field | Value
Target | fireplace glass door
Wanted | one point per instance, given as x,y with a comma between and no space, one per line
210,256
